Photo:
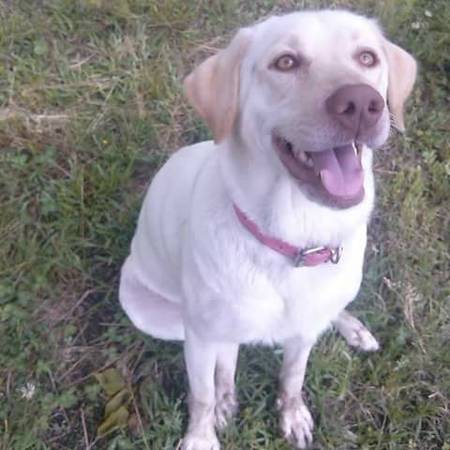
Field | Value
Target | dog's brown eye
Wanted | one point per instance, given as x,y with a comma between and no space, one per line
286,62
367,58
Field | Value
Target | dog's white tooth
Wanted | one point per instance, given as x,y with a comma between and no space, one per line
302,156
355,150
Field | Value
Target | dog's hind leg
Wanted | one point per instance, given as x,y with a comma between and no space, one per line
149,311
355,333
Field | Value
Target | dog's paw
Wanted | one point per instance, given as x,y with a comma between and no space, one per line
296,422
200,440
355,333
361,338
226,408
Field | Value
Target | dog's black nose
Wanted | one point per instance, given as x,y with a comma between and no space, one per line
356,107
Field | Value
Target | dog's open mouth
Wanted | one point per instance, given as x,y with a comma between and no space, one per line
338,169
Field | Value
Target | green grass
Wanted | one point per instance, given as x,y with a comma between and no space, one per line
90,106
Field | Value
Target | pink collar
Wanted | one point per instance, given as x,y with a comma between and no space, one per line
307,257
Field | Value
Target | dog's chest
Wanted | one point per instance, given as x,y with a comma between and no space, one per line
307,303
264,304
313,297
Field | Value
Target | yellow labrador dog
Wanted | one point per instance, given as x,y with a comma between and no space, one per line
259,236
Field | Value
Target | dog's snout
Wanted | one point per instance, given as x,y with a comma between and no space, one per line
356,107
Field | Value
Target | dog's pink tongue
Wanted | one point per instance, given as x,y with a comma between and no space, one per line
340,171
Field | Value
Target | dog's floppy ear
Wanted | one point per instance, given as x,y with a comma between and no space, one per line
213,87
402,74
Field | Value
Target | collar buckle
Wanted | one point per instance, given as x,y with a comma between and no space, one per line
317,255
302,256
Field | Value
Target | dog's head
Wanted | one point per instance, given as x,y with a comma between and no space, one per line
309,90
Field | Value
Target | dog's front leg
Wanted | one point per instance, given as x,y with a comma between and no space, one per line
295,419
226,404
200,356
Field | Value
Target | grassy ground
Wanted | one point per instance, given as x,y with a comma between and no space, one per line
90,106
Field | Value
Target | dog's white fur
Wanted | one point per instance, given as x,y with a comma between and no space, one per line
195,274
